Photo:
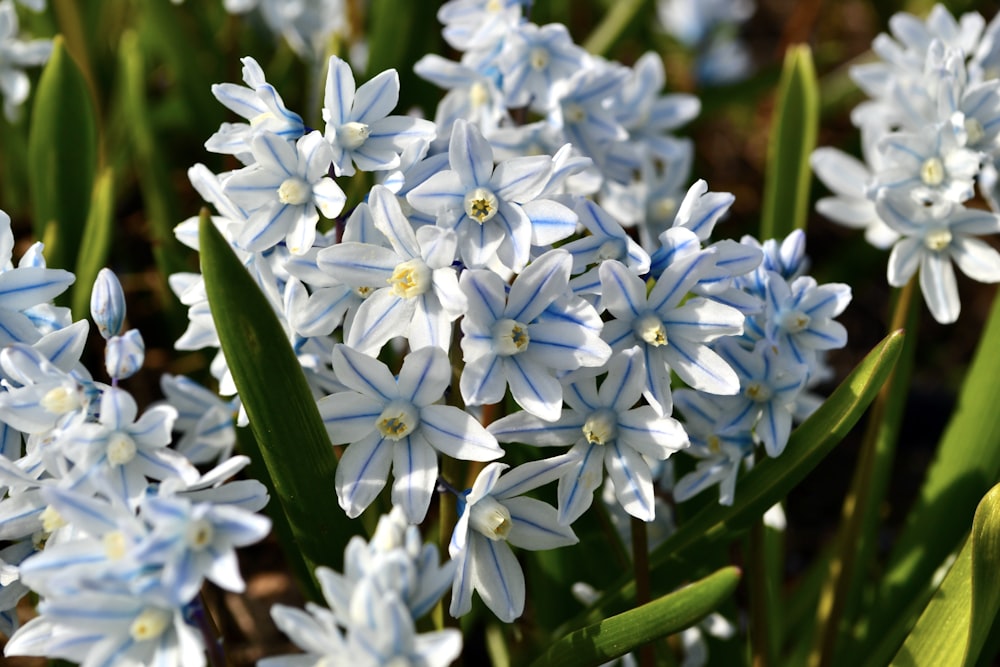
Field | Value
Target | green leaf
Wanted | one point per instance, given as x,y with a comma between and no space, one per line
793,137
954,625
772,479
282,411
614,637
96,242
62,156
158,193
613,26
966,464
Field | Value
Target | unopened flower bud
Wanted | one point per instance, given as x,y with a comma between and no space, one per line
107,304
124,354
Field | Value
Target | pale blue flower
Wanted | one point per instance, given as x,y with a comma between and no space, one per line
282,191
493,210
931,239
197,541
510,340
472,95
422,297
204,419
720,451
769,386
799,316
606,432
118,453
260,104
673,334
358,124
533,58
495,516
397,422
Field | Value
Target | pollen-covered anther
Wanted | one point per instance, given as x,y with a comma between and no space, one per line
932,171
539,58
398,420
411,278
364,291
52,520
714,444
115,545
574,113
352,135
510,337
756,391
294,191
200,534
150,623
794,321
490,518
650,328
121,448
480,205
937,240
61,400
479,95
665,207
601,427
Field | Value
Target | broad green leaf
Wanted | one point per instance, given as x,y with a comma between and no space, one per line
282,411
954,625
96,242
793,137
615,636
966,464
772,479
62,156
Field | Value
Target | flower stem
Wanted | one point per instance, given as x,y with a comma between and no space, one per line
859,516
761,581
640,559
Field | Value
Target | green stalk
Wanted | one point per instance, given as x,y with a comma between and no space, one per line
615,22
764,565
640,560
859,515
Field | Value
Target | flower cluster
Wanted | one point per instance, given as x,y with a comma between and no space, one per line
111,527
930,135
387,585
495,259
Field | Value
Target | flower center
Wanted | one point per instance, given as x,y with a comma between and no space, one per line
150,624
114,545
479,95
411,278
52,520
756,391
539,58
480,204
510,337
121,448
650,328
488,517
794,321
352,135
601,427
294,191
973,131
200,534
398,420
664,208
932,171
61,400
574,113
364,292
611,249
714,444
937,240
